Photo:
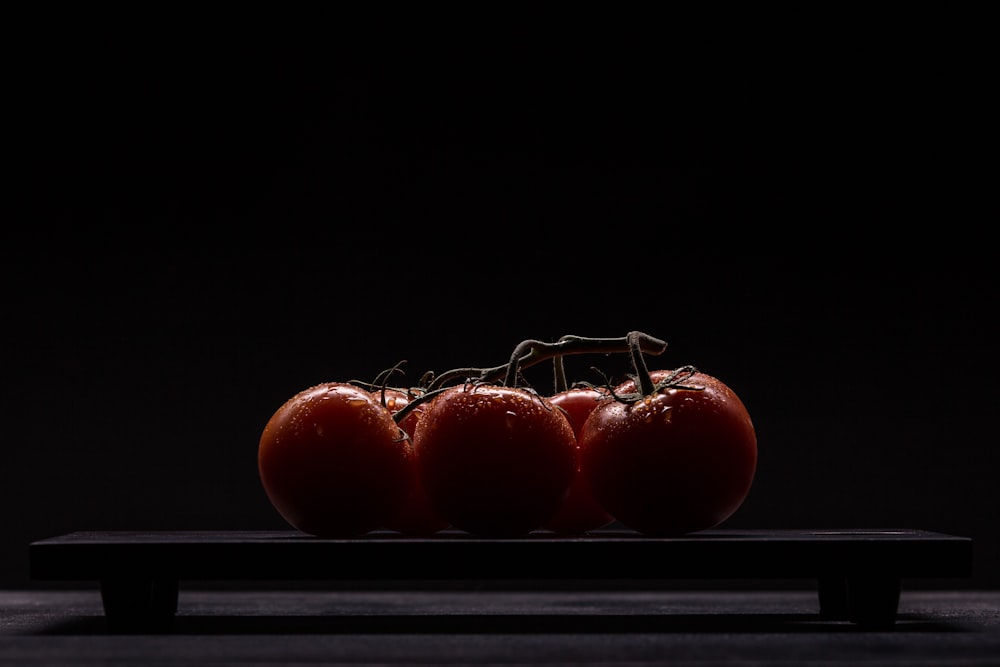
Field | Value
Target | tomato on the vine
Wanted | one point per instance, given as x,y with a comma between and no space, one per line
677,461
580,511
416,515
495,461
333,462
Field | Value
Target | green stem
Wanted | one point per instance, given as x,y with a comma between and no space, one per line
559,382
531,352
642,378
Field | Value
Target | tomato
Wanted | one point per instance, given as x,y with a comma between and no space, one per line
333,462
495,461
674,462
580,511
416,516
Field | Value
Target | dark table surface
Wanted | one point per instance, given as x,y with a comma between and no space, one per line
486,626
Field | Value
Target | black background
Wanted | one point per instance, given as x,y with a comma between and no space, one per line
205,227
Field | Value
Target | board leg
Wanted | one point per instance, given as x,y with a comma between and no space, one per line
834,603
873,600
139,604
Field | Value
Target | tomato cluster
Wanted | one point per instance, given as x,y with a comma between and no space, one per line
665,452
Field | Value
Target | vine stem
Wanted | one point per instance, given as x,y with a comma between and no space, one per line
642,378
559,381
531,352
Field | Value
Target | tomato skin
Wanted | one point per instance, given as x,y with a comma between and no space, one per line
676,462
416,515
495,461
580,511
333,462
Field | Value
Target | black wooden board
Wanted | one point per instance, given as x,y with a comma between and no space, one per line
858,570
608,554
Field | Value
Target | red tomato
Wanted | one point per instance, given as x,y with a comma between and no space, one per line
495,461
676,462
333,462
580,511
416,516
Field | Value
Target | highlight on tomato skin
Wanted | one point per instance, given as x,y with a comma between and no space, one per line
495,461
333,462
675,462
580,511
